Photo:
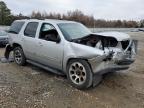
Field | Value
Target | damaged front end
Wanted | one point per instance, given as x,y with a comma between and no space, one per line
118,54
127,54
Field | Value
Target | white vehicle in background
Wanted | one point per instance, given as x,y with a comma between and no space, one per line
69,48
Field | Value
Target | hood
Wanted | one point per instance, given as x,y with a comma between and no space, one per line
117,35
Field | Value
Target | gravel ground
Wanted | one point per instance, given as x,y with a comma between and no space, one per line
32,87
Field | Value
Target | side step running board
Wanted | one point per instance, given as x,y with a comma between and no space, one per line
45,67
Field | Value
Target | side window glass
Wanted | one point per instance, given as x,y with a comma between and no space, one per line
31,29
47,27
49,33
16,27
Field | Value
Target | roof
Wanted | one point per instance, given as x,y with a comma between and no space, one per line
49,20
59,21
118,35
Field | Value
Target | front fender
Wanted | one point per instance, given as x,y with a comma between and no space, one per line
74,50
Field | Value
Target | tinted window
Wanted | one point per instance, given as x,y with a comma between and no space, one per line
31,29
16,27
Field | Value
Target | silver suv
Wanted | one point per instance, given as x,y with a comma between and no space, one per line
69,48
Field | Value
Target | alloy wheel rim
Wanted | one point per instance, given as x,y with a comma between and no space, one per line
18,56
77,73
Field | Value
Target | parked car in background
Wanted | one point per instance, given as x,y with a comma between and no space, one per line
3,38
141,29
69,48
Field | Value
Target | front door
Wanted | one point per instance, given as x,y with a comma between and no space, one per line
50,52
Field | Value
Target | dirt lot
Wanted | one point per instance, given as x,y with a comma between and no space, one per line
32,87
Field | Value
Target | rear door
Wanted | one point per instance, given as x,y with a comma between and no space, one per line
29,40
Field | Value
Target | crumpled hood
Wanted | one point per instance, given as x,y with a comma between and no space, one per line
117,35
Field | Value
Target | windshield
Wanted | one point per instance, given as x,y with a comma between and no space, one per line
73,30
3,33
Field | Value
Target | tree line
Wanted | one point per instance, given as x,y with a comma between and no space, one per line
6,18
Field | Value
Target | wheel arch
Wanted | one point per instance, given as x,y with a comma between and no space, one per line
89,79
65,67
14,45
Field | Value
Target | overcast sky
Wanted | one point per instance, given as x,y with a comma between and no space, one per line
105,9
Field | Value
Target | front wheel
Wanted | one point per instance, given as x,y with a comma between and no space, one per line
19,56
79,73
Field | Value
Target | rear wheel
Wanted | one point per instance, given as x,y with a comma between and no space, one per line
79,73
19,56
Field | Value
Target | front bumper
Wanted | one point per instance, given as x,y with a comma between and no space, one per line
102,67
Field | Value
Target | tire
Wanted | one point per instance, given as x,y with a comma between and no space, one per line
19,56
79,73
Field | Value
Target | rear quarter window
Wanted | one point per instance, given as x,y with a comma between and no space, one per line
16,27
